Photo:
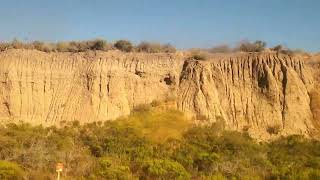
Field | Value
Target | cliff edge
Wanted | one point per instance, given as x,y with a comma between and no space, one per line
265,94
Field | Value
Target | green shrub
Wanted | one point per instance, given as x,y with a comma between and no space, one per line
124,45
164,169
10,171
206,162
110,169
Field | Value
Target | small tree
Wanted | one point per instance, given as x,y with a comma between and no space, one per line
108,169
259,46
124,45
164,169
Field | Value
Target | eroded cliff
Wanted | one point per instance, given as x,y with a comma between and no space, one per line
262,93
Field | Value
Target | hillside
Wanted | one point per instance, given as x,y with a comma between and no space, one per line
264,94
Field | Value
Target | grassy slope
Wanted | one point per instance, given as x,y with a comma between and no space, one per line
156,125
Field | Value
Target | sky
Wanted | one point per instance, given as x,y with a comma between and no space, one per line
183,23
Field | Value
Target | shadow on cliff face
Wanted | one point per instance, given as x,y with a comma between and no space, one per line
315,107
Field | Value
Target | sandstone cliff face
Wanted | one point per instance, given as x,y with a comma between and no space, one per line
257,93
40,87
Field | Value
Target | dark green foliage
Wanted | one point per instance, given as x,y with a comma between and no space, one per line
124,45
294,155
111,169
125,150
164,169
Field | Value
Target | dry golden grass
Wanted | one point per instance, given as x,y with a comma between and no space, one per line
157,125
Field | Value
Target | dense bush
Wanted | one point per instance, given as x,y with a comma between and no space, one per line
124,45
256,46
9,170
134,148
112,169
164,169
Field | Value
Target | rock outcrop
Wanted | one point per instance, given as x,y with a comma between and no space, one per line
262,93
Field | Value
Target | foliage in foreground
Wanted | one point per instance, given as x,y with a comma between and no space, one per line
128,149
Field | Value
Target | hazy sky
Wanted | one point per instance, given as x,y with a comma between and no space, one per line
184,23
